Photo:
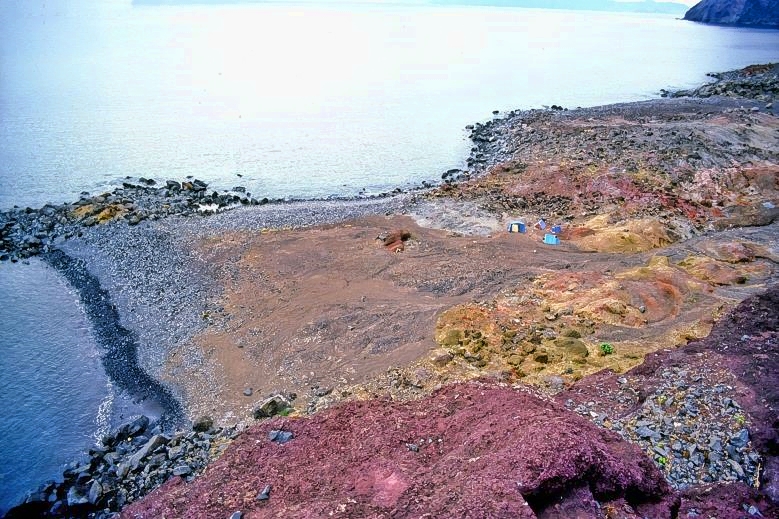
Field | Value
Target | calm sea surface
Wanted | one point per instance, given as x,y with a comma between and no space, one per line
54,393
300,100
306,100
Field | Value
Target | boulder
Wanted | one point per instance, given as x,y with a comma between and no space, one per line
271,407
127,430
203,424
149,447
281,437
182,470
77,496
572,346
95,492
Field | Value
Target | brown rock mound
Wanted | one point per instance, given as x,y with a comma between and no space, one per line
470,450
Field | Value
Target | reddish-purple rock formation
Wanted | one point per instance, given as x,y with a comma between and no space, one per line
483,450
469,450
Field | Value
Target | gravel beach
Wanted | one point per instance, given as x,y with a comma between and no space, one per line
239,309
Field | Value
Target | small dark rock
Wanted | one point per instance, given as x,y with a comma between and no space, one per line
265,494
280,436
323,391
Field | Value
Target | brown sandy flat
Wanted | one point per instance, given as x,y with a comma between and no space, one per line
307,311
330,306
655,191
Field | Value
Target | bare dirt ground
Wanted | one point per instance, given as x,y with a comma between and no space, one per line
665,210
331,306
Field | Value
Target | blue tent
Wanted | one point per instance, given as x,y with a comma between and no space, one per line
516,227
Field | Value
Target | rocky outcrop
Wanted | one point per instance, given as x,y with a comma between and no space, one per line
758,13
130,462
27,232
758,82
702,417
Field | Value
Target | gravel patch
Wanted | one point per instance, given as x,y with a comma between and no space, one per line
691,426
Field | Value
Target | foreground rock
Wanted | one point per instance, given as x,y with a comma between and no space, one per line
129,463
481,449
468,451
759,13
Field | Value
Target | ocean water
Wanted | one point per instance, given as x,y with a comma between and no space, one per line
55,397
308,100
289,100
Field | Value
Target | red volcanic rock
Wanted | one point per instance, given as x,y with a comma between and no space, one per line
741,351
395,241
473,450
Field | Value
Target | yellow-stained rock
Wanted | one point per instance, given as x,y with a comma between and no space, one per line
111,212
602,235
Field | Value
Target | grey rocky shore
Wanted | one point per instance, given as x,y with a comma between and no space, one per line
122,233
130,462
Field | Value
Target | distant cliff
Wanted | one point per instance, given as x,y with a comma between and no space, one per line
757,13
645,6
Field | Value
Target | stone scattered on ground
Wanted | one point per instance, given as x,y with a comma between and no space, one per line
130,462
668,215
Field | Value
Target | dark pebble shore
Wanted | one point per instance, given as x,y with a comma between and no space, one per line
118,344
115,250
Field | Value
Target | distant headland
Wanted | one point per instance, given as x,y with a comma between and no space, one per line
751,13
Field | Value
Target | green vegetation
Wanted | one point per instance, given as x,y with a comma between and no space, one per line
606,348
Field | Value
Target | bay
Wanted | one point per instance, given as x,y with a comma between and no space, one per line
309,100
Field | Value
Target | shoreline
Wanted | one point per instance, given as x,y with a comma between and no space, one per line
494,144
117,344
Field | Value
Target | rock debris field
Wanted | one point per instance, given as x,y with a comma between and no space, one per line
406,356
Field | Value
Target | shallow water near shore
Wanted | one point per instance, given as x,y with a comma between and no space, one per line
57,398
309,100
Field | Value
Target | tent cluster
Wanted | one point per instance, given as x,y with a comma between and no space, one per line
550,238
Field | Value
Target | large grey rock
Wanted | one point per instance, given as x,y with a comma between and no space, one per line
154,442
95,492
129,429
280,436
182,470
